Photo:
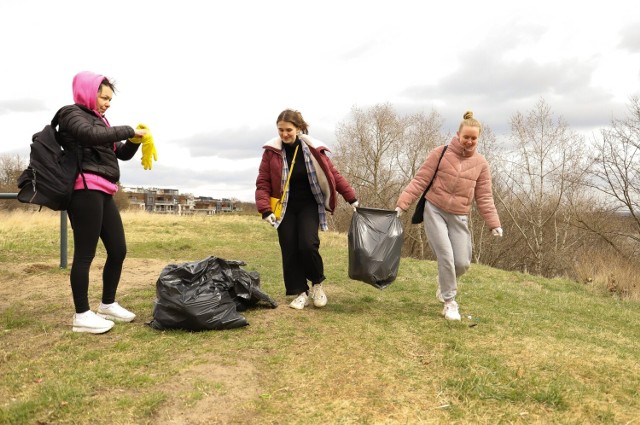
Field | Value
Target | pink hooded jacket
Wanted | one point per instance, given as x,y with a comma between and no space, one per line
85,87
462,177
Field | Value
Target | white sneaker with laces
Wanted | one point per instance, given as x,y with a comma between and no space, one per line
91,323
450,311
300,302
115,312
318,296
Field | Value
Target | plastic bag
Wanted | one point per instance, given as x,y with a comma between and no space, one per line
375,245
206,295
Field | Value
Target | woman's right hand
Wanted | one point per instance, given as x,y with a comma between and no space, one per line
139,134
271,219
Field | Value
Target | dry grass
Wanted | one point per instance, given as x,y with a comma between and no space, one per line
610,274
529,350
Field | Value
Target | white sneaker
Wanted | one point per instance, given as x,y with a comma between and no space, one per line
91,323
115,312
450,311
300,302
318,296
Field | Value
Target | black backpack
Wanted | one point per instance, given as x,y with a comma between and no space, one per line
50,177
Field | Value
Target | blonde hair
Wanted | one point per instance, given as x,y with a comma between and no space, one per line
469,121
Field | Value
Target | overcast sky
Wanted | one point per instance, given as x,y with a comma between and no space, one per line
210,78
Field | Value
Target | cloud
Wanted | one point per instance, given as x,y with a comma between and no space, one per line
21,105
236,143
359,51
631,38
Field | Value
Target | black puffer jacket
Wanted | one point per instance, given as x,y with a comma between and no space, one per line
80,127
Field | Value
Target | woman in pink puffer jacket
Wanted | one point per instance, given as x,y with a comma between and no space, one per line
463,176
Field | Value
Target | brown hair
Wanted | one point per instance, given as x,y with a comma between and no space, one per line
295,118
469,121
106,82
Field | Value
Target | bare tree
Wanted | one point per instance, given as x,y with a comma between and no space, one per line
544,169
10,168
486,249
366,152
422,134
616,173
379,152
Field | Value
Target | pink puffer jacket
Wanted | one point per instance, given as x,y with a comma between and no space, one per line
459,181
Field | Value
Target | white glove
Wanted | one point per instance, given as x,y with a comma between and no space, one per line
399,211
497,232
355,205
271,219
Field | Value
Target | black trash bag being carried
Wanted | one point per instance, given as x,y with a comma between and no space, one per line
205,295
375,245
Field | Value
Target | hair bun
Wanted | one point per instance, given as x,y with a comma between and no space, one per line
467,115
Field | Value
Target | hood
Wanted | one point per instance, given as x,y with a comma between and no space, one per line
85,89
276,143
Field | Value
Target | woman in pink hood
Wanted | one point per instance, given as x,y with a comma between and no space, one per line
463,176
84,129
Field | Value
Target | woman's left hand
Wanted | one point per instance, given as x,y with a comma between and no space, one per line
355,205
497,232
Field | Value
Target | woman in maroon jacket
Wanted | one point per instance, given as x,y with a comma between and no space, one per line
463,176
311,192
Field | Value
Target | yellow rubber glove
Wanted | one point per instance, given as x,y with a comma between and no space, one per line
146,137
149,153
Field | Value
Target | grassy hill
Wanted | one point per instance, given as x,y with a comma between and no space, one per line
528,350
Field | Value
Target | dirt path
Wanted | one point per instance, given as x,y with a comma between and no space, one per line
235,386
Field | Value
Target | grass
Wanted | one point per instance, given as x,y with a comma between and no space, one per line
528,350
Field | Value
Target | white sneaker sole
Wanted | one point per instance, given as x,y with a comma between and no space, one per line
115,318
92,330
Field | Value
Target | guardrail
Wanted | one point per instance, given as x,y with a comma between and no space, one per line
63,230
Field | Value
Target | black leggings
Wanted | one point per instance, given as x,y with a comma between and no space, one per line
93,214
300,244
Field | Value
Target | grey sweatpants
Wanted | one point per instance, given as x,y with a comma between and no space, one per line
450,240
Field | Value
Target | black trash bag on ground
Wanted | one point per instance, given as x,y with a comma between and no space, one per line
375,246
205,295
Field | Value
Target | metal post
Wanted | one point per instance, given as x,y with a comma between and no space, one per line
63,239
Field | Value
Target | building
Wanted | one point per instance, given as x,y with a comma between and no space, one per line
170,201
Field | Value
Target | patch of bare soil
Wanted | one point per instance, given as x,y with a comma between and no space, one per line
228,394
209,393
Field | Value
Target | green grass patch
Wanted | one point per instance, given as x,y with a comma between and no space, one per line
528,350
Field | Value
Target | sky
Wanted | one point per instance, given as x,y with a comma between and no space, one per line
210,78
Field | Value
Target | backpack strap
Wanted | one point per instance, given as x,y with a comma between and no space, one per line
79,154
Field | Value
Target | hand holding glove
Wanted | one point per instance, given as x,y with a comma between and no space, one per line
355,205
141,135
497,232
271,219
149,153
399,211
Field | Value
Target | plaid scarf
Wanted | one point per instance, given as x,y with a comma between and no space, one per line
313,182
315,187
